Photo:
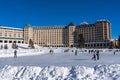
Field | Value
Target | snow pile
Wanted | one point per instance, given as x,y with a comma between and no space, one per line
107,72
20,45
99,72
21,52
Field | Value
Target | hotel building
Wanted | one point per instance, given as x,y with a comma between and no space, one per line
11,35
97,35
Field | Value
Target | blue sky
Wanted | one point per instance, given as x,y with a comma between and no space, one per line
17,13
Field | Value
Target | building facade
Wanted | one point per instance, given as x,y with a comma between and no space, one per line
11,35
97,35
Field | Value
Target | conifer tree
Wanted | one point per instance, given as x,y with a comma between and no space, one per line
119,42
5,46
31,44
14,46
81,40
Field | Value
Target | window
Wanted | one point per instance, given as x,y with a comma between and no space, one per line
10,41
5,41
1,41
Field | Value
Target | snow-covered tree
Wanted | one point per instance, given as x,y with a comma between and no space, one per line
31,44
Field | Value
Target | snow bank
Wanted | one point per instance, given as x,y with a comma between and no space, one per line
99,72
20,45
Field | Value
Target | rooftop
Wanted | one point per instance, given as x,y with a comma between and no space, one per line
10,28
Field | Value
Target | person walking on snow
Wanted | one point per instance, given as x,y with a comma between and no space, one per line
15,54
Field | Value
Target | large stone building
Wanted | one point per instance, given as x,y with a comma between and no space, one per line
97,35
11,35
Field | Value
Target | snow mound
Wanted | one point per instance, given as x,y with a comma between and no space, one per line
20,45
99,72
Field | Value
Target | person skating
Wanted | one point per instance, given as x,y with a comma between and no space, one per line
97,54
51,52
75,52
15,54
114,52
94,55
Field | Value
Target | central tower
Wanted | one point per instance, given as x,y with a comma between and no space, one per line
28,33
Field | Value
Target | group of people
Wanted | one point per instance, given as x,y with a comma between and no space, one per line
95,55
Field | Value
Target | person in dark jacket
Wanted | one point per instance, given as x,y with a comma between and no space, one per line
97,54
114,52
94,56
15,54
75,52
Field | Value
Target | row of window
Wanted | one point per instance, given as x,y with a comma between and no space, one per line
1,41
10,35
97,45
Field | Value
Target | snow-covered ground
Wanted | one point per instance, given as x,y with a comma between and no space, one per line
39,64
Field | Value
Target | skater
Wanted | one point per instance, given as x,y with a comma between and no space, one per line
51,52
89,51
75,52
72,51
114,52
97,54
94,55
15,54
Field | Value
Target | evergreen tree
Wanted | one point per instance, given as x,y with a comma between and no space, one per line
31,44
81,41
111,46
119,42
1,46
14,46
5,46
